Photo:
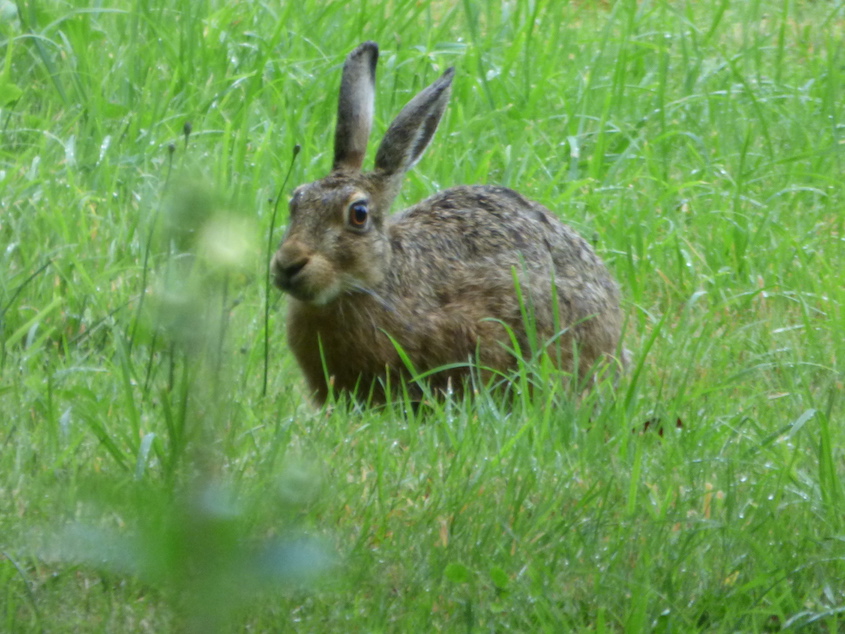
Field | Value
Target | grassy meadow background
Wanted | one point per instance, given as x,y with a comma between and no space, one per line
151,481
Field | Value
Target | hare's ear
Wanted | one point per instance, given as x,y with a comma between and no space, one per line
411,131
355,107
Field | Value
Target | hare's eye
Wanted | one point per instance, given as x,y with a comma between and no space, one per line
358,215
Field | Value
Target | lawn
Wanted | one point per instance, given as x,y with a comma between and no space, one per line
161,465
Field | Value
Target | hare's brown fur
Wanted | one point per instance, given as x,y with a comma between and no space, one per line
440,280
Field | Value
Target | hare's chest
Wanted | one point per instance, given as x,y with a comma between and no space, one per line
341,342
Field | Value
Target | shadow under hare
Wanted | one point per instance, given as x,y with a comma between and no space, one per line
447,281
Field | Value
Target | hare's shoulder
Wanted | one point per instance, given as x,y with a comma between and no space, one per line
476,207
490,224
497,217
486,203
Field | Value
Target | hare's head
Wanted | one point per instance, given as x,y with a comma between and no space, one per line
336,241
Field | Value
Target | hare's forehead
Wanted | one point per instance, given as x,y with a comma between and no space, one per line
331,193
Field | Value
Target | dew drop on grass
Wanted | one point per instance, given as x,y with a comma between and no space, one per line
104,146
65,422
70,151
32,174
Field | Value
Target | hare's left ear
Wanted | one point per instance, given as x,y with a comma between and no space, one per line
355,107
410,133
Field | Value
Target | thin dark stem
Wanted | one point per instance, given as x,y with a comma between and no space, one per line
296,149
8,305
148,247
23,284
150,362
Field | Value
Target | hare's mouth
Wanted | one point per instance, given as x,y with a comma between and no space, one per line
307,290
315,295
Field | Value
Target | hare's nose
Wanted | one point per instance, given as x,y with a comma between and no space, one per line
290,269
285,268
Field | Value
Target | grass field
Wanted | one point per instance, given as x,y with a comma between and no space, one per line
149,482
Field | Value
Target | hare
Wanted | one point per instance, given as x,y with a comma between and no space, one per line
445,282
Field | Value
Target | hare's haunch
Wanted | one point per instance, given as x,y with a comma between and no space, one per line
445,282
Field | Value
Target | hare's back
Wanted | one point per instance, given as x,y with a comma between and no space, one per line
467,242
493,223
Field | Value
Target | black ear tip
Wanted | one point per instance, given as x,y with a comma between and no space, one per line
363,56
448,75
365,48
369,48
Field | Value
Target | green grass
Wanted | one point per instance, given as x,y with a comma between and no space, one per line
146,484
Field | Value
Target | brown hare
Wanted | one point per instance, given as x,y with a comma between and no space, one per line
435,286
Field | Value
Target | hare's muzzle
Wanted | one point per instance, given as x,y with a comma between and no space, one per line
286,267
304,274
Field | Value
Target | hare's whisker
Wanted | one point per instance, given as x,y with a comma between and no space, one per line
358,287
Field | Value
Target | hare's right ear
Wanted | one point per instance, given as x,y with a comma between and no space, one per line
355,107
410,133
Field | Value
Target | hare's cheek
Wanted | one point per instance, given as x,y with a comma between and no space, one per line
371,273
361,259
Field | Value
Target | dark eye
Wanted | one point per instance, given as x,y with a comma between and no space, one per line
359,214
